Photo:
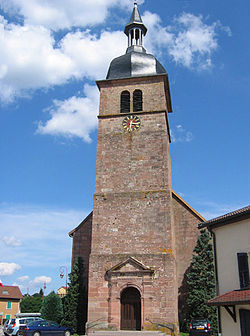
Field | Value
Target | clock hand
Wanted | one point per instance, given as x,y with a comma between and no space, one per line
130,125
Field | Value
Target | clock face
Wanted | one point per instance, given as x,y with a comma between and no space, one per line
131,123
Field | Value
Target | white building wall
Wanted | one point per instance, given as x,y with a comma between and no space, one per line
229,327
230,240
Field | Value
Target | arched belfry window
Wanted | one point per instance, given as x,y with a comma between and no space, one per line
125,102
137,100
137,36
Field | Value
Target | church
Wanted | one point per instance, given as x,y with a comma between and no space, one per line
137,243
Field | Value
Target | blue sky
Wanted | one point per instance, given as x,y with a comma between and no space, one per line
52,51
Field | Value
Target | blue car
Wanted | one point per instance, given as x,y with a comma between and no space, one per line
42,328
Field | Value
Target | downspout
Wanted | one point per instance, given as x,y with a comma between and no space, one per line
216,275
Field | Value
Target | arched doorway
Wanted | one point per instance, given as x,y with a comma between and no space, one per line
130,309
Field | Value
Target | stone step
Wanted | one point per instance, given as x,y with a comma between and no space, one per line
127,333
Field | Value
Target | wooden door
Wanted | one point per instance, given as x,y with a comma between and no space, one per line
130,309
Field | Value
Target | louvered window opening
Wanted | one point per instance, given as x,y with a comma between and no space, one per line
125,102
243,270
137,100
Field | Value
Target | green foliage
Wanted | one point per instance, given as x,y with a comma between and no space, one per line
75,302
201,282
52,308
31,304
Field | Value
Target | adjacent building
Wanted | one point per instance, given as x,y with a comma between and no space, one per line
231,235
10,298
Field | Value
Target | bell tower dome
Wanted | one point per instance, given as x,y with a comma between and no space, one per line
136,61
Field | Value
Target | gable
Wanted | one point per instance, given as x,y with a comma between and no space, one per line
89,217
187,206
130,265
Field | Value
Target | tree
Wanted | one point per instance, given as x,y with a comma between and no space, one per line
52,308
31,304
75,302
201,282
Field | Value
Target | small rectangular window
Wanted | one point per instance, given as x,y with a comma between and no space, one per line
9,305
243,270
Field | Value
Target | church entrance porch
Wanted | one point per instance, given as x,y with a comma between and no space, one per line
130,309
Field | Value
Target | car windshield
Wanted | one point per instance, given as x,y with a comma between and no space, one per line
199,322
13,321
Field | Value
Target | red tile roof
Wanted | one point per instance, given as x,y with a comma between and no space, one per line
231,298
10,292
228,218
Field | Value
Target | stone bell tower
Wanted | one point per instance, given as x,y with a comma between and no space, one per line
134,243
132,270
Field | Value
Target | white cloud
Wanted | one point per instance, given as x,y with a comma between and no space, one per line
25,284
75,116
8,268
12,241
40,280
189,40
43,231
194,42
29,59
90,54
58,14
158,37
179,134
23,278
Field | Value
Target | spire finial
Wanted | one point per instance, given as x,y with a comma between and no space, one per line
135,2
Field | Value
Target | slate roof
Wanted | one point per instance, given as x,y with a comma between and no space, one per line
231,298
228,218
134,64
10,292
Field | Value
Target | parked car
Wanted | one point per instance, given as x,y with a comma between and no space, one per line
16,323
200,328
5,326
42,328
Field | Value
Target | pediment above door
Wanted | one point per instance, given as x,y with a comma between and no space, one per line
130,266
